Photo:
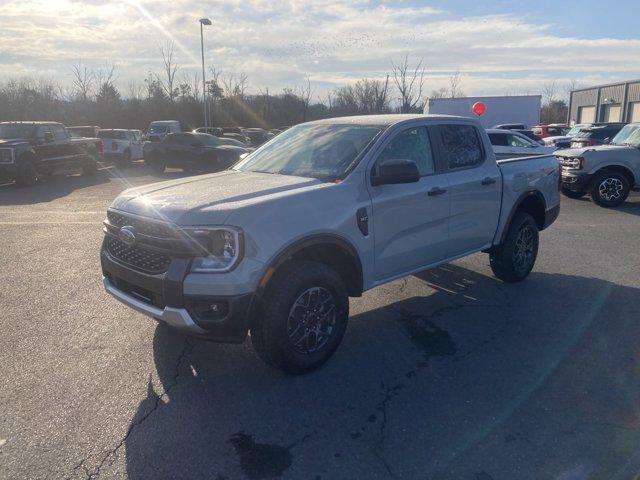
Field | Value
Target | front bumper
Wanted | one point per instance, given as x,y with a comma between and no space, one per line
176,317
220,318
576,182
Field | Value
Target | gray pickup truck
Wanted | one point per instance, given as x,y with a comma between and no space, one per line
278,243
607,172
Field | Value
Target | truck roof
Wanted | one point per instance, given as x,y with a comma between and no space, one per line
29,122
387,120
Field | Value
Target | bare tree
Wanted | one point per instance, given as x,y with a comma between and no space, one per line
571,85
409,83
170,69
83,80
454,85
304,93
235,85
549,92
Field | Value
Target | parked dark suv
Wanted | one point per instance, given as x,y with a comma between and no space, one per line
598,134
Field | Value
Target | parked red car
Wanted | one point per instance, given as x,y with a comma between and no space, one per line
551,130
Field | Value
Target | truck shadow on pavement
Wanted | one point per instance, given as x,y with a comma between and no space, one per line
59,186
448,374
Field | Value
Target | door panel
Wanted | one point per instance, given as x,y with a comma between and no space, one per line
410,225
475,186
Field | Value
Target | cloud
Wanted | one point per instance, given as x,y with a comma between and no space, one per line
279,43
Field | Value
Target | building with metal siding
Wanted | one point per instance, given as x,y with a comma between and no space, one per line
617,102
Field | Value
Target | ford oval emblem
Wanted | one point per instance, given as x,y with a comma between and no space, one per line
127,235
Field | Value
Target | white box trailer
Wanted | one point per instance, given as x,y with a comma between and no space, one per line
499,109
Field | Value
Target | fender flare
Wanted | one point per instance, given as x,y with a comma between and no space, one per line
524,196
296,246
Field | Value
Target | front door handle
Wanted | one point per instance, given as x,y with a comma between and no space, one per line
436,191
488,181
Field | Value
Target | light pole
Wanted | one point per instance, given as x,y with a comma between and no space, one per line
203,22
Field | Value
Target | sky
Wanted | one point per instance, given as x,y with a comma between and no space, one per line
498,47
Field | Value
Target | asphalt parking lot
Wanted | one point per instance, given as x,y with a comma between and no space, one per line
449,374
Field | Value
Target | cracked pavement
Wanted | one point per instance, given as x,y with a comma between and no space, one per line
448,374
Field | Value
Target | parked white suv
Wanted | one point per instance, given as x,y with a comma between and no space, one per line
121,145
326,210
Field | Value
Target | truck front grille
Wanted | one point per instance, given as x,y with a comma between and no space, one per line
152,228
138,257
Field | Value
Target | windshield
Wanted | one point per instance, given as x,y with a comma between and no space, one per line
158,129
17,131
629,135
575,130
316,151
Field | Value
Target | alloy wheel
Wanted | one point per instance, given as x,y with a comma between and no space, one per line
524,248
312,320
610,189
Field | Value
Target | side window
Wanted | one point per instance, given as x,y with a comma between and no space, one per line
537,131
461,145
498,139
412,144
516,141
41,131
59,132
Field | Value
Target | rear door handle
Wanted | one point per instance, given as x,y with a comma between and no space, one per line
488,181
436,191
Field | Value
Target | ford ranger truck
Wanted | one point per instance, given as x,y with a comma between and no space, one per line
607,172
327,210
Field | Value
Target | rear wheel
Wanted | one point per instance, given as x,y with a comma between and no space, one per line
572,194
304,318
89,166
609,189
157,163
513,260
27,175
125,160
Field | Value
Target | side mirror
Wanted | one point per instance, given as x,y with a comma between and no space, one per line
606,141
48,137
395,171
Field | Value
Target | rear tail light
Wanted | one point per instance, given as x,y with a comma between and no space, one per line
101,147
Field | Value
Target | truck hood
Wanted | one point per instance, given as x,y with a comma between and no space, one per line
12,142
210,199
579,152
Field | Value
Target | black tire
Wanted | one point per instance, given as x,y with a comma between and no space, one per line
89,166
125,160
156,163
285,335
27,175
513,260
609,189
572,194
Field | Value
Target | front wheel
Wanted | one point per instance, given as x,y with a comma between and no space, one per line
513,260
304,318
572,194
27,175
157,164
609,189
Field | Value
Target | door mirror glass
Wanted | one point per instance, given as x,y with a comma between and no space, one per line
395,171
606,141
48,137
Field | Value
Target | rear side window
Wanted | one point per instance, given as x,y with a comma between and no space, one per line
498,139
537,131
412,144
461,145
59,132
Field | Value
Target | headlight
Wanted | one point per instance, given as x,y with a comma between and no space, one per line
221,248
6,155
571,162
